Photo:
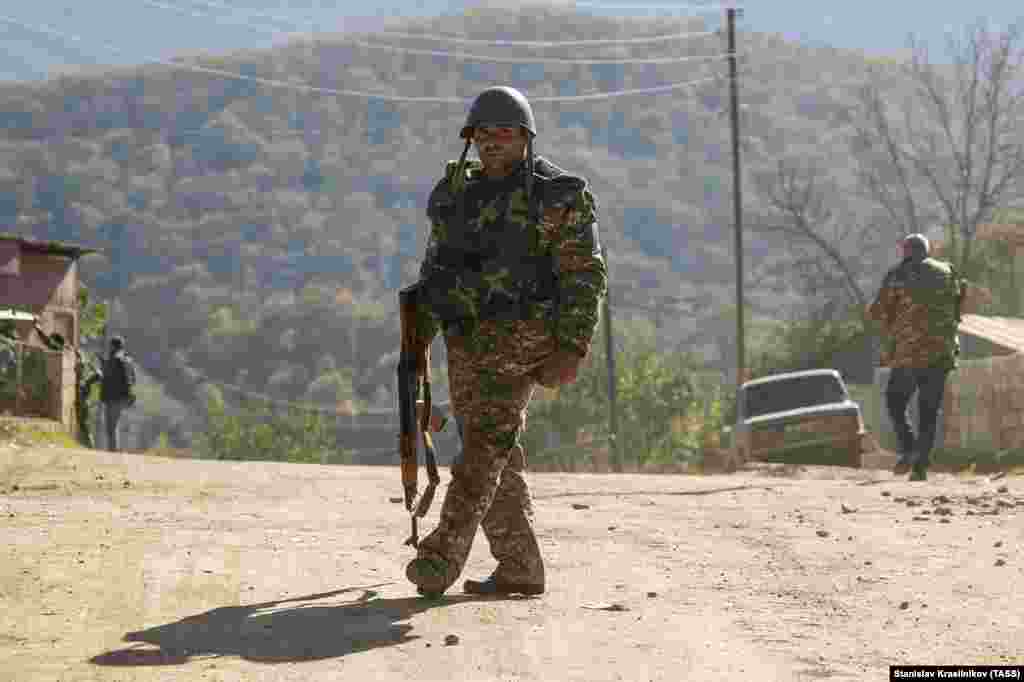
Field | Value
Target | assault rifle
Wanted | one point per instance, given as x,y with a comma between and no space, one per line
414,370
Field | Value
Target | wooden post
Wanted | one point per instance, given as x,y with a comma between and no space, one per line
613,415
737,196
19,354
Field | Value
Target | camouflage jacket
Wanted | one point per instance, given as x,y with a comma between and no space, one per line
918,308
499,264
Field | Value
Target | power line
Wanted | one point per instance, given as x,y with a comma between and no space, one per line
304,406
439,53
462,56
613,42
302,87
471,41
627,93
238,390
690,7
537,60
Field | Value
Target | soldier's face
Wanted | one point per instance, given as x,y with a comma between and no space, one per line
500,148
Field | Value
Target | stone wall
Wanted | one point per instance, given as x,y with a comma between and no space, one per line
984,404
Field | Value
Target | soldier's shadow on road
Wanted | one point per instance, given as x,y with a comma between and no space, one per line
311,627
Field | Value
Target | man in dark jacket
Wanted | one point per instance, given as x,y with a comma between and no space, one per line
117,391
86,374
918,308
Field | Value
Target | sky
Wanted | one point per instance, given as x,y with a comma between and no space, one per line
162,28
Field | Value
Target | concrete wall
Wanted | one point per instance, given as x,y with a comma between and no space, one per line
43,279
985,403
48,285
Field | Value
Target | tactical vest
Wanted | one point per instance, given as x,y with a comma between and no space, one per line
502,268
930,282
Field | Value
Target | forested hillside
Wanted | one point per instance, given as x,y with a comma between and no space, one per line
255,234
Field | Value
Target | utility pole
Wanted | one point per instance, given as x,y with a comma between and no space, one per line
102,413
737,197
613,415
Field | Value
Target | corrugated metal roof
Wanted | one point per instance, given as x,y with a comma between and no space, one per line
49,246
1003,331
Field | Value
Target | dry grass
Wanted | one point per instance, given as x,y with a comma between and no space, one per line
34,433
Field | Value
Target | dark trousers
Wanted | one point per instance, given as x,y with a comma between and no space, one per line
930,385
112,416
84,436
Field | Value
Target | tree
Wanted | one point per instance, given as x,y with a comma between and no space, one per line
254,432
954,152
92,316
815,342
803,208
655,391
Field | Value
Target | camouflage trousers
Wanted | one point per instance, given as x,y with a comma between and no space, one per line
491,383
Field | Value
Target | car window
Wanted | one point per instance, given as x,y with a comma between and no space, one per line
792,394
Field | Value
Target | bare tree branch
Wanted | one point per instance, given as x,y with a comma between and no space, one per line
801,212
958,153
888,138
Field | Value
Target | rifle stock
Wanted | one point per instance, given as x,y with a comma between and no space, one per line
414,371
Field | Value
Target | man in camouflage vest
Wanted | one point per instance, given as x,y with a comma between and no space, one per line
514,278
86,374
918,308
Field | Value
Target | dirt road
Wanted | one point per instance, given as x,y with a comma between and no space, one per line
125,567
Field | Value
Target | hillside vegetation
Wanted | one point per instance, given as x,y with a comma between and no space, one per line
256,235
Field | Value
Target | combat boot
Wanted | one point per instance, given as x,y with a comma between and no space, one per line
495,585
903,464
920,473
428,575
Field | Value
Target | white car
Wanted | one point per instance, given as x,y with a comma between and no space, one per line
799,418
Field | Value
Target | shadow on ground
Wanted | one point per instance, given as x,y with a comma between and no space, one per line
312,627
654,493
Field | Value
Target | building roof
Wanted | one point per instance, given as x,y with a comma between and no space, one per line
1002,331
49,246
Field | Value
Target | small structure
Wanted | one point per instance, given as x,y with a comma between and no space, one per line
984,405
39,288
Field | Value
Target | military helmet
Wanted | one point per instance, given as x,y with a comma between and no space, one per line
499,106
916,245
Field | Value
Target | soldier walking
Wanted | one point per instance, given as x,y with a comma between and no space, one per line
86,374
513,278
918,307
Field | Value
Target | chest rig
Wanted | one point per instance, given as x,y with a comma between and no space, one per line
494,260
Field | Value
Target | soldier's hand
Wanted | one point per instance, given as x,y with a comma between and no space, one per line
561,368
437,420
